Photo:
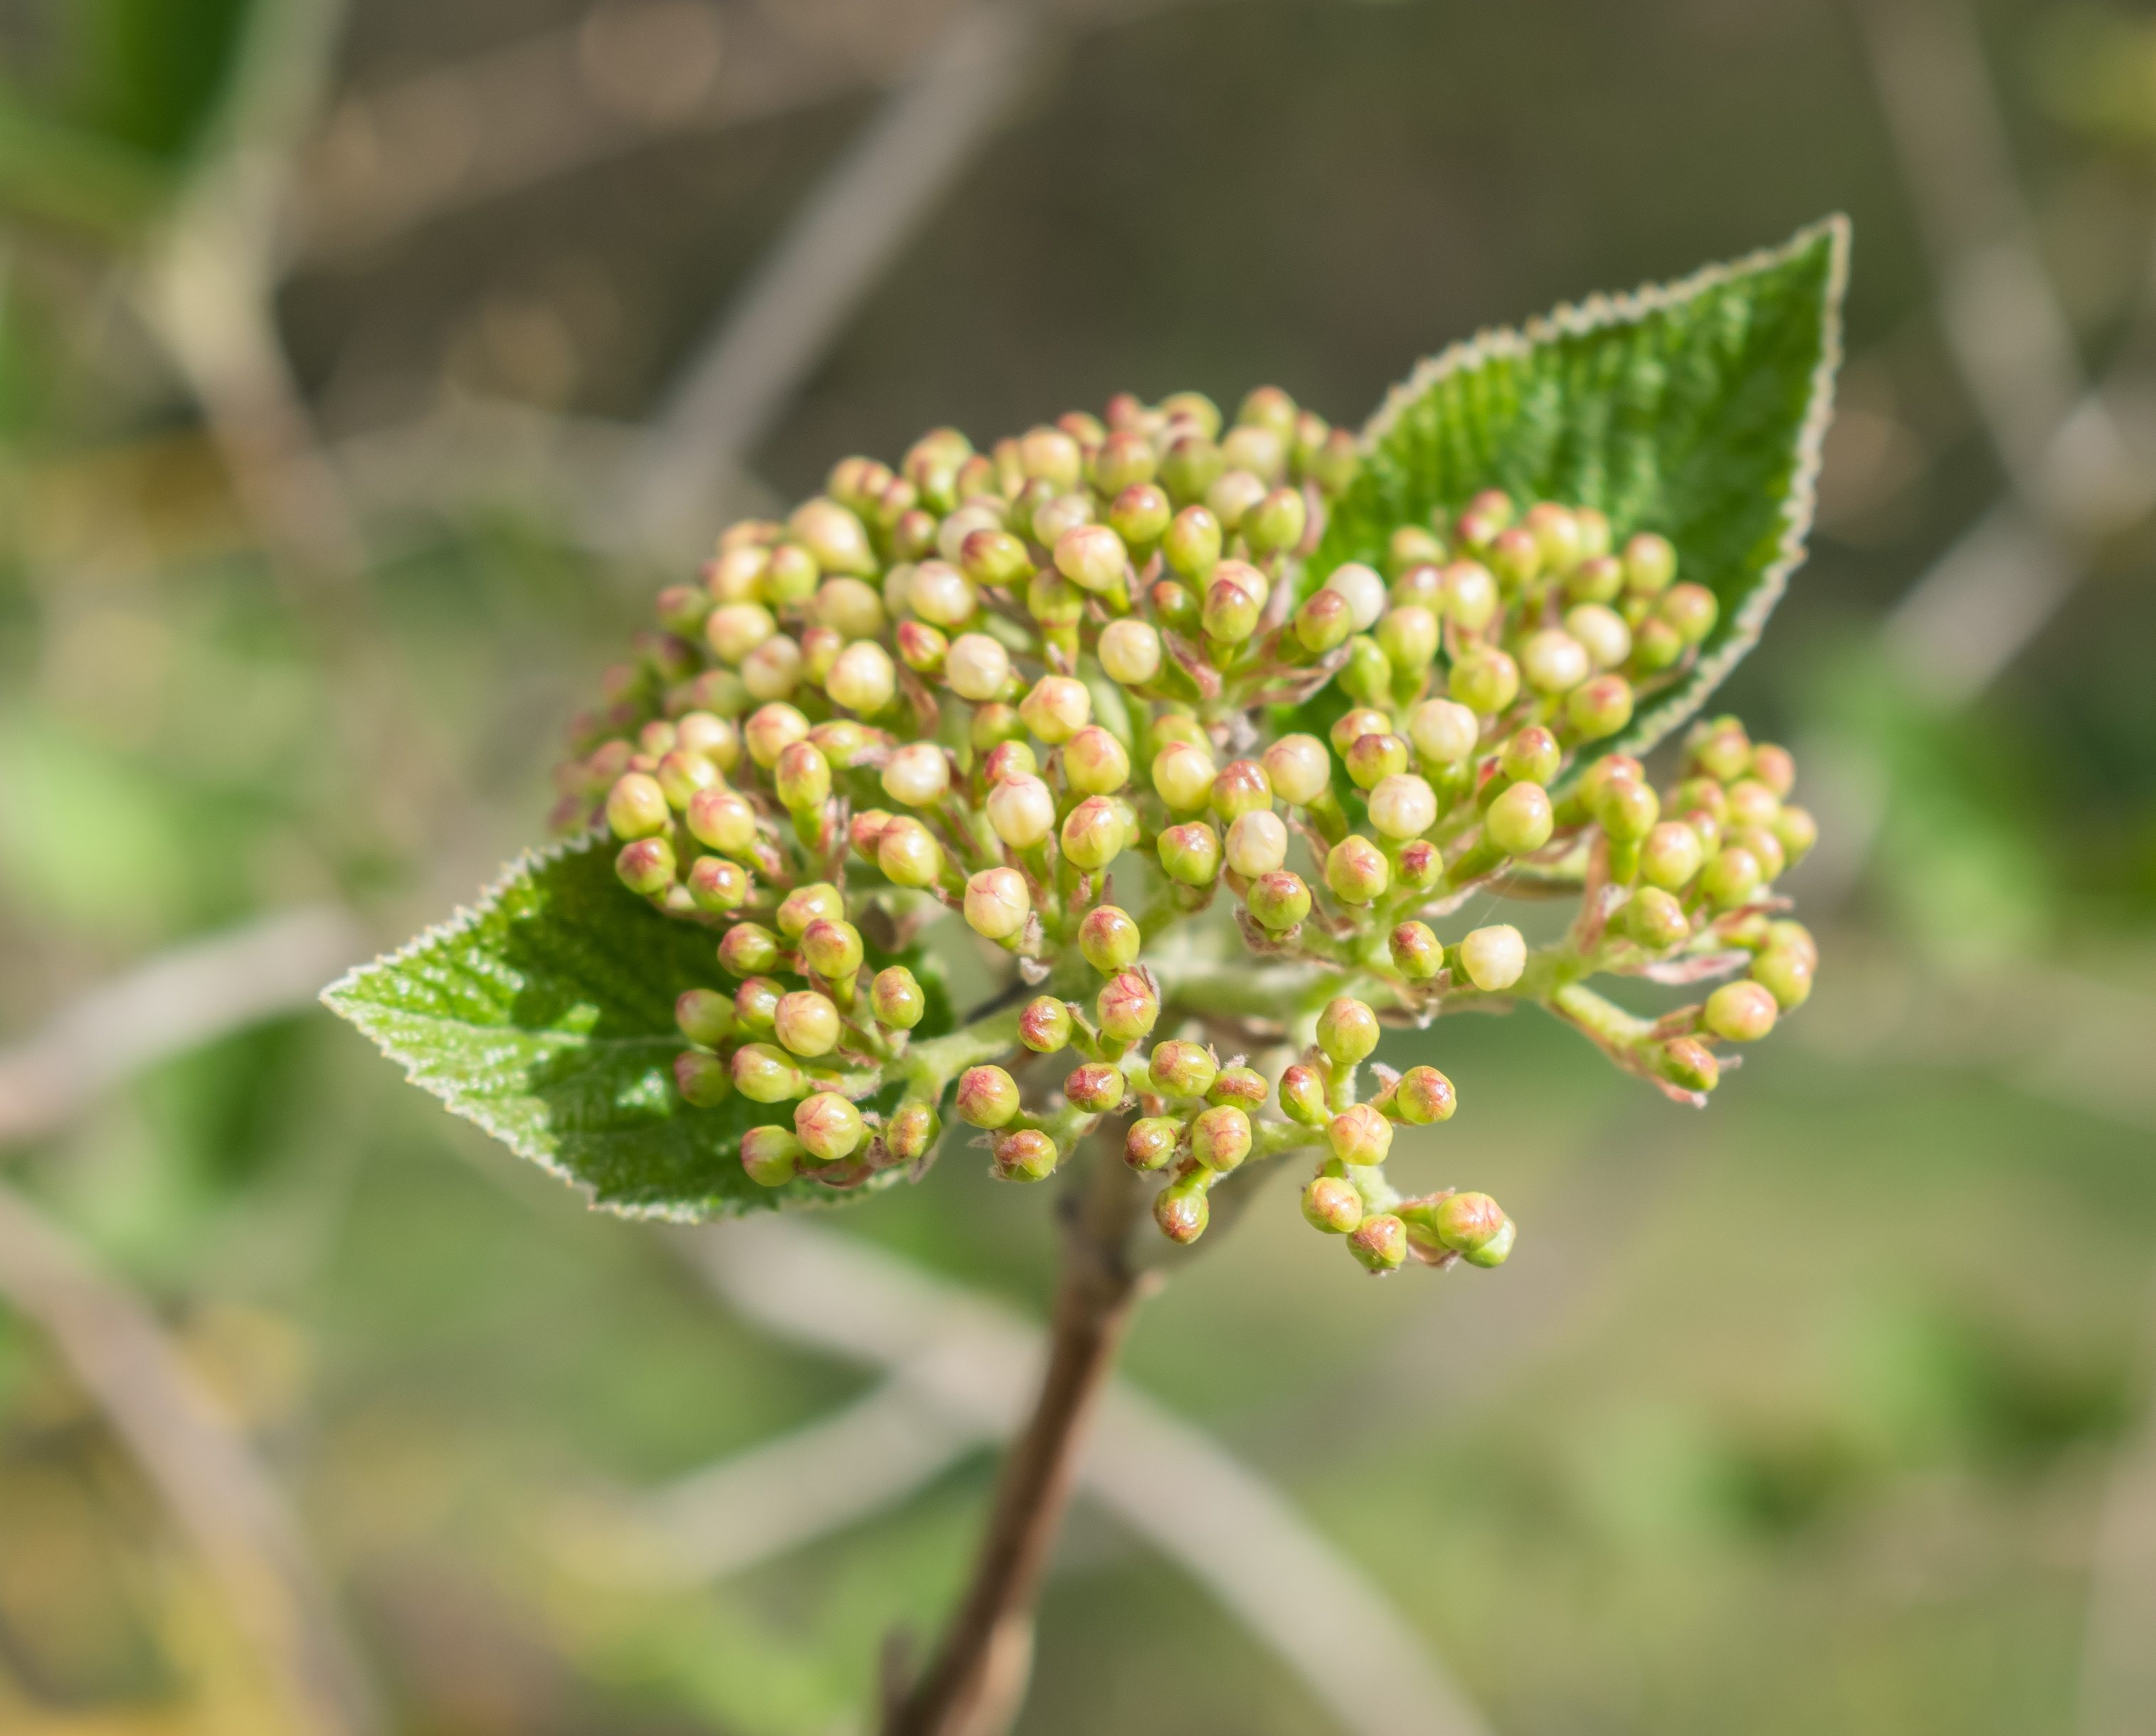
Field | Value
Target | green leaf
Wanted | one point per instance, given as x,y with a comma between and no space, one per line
1694,409
545,1014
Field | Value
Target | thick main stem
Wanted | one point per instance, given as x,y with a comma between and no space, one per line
974,1684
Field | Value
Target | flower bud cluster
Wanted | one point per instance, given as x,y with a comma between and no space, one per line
1004,683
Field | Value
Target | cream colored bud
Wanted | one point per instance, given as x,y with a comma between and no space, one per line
1608,640
1183,776
1092,557
1065,512
1363,589
734,576
1022,811
1494,957
1130,652
917,775
849,606
1444,731
997,903
940,594
772,670
1554,662
1402,806
1057,709
951,536
1257,843
737,629
1245,577
831,534
976,667
863,679
1299,768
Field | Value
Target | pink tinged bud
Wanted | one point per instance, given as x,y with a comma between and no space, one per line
1010,758
636,807
1596,579
1730,878
1421,865
1379,1243
683,776
1786,936
1094,763
1484,679
1229,615
911,1130
1471,595
1299,769
1514,557
1532,755
802,777
1671,856
1497,1249
646,866
1419,584
1190,854
940,594
1253,584
1182,1069
909,855
820,651
1557,535
1751,803
1125,460
1092,557
1650,564
1601,632
1347,1031
705,1016
1494,958
865,828
1417,953
820,901
1130,652
1026,1155
713,738
1786,974
1627,808
1241,786
1775,767
771,729
1192,545
1600,707
1234,495
704,1081
1183,776
1182,1212
1257,844
1331,1203
995,725
1325,622
1719,748
1467,1221
862,678
1796,831
1520,820
1045,1026
988,1097
1096,1088
1140,514
1022,811
1402,806
1741,1012
998,903
1360,1135
1356,870
771,1156
917,774
1279,901
1554,662
772,670
766,1075
724,820
977,666
1656,920
1363,589
734,630
1690,1064
1127,1007
921,648
1302,1095
756,1005
1151,1141
833,536
1764,847
1425,1095
828,1127
850,608
1093,836
897,998
1244,1088
833,950
792,575
1689,610
1220,1137
1057,709
1109,939
748,948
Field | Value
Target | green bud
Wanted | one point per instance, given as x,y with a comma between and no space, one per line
1243,1087
1690,609
771,1155
1484,679
1130,652
1176,605
683,776
1417,952
1786,974
1408,636
1109,939
1515,556
1360,1135
1026,1155
1192,545
1094,762
1356,870
1191,854
704,1081
1277,522
988,1097
1520,820
1220,1137
1730,878
747,949
1257,843
756,1005
1425,1095
1325,621
1182,1211
1182,1069
1332,1205
1236,494
998,903
1494,958
766,1075
1467,1221
802,777
1655,646
1279,901
1123,461
1796,831
1347,1031
1096,1088
636,807
1671,856
1191,466
1444,731
1126,1008
1151,1141
1240,787
1684,1062
1092,557
1650,564
1626,809
1053,601
1298,769
1412,545
912,1132
1598,579
833,950
1334,467
1140,514
647,866
1497,1249
1368,675
1094,834
705,1016
1379,1243
1471,595
1230,614
1765,849
828,1127
807,1023
1741,1012
1372,758
908,854
1657,920
818,901
1600,707
1422,865
897,998
1045,1026
1531,756
1302,1096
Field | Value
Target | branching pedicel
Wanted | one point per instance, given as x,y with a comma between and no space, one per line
1066,687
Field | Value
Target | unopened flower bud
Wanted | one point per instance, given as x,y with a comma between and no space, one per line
1380,1243
1190,853
1671,856
1364,590
1650,564
1127,1007
1096,1088
1600,707
1182,1211
1444,733
1690,610
1140,516
1346,1030
1417,952
1230,614
1108,939
1256,844
1057,709
911,1130
1093,834
802,908
1467,1221
1764,847
1494,958
941,595
1656,919
897,998
683,777
1742,1012
1423,1095
1374,758
1786,974
764,1073
1192,545
771,1155
771,729
1554,661
1302,1095
988,1097
705,1016
1025,1155
828,1127
1484,679
636,807
1045,1026
772,670
734,629
1360,1135
1243,1087
1626,809
802,777
998,903
647,866
908,854
1531,756
1326,621
1092,557
1332,1205
850,608
1796,831
833,950
1151,1141
1350,726
1718,748
1595,580
807,1023
1690,1064
1298,769
1278,901
704,1081
1471,595
1220,1137
1022,811
747,949
1094,761
1130,652
1277,522
1408,637
1732,877
1520,820
1182,1069
1515,556
976,667
1602,631
1241,786
1402,806
1775,767
1356,870
917,774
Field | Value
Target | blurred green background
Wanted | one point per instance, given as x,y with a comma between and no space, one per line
326,340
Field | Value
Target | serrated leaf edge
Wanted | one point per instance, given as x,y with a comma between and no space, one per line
1605,308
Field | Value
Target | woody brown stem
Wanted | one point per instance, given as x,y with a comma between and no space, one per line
975,1683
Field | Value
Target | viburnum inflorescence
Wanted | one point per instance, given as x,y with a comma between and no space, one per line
1088,683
